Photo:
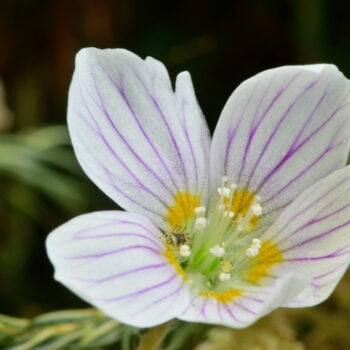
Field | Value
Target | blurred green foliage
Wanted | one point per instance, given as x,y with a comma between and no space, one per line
41,185
221,43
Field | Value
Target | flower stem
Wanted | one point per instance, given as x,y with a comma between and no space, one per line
153,337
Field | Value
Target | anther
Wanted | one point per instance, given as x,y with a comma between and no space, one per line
185,250
256,242
217,251
240,228
199,211
233,186
257,209
200,223
224,191
229,214
226,266
223,276
254,249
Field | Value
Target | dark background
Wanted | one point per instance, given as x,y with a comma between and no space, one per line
220,42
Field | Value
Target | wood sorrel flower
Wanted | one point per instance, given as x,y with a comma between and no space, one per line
218,231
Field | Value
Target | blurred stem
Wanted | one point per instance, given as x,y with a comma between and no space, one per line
153,337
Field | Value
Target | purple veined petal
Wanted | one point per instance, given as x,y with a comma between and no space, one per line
281,131
116,261
312,234
137,139
243,310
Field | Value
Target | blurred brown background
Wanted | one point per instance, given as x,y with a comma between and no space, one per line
219,42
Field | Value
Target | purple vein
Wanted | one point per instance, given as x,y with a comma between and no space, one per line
301,174
330,272
231,135
143,131
140,292
338,253
280,121
294,149
94,282
98,131
202,311
231,314
159,300
117,235
319,236
185,130
165,122
112,252
322,197
252,128
91,170
120,223
122,138
303,211
244,308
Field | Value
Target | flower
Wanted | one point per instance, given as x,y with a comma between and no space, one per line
219,231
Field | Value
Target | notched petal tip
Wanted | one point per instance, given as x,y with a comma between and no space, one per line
90,55
184,83
133,135
318,68
86,55
282,130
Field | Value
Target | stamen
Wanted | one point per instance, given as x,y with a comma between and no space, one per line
224,276
253,250
226,266
217,251
199,211
200,223
229,214
224,191
233,186
185,250
256,209
256,242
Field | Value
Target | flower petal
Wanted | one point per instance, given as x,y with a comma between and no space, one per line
140,142
281,131
117,262
244,309
313,237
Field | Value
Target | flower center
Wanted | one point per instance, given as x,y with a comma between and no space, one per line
217,248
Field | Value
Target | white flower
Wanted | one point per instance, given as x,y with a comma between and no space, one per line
271,185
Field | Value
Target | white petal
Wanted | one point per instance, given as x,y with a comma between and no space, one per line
313,236
140,142
244,310
116,262
281,131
